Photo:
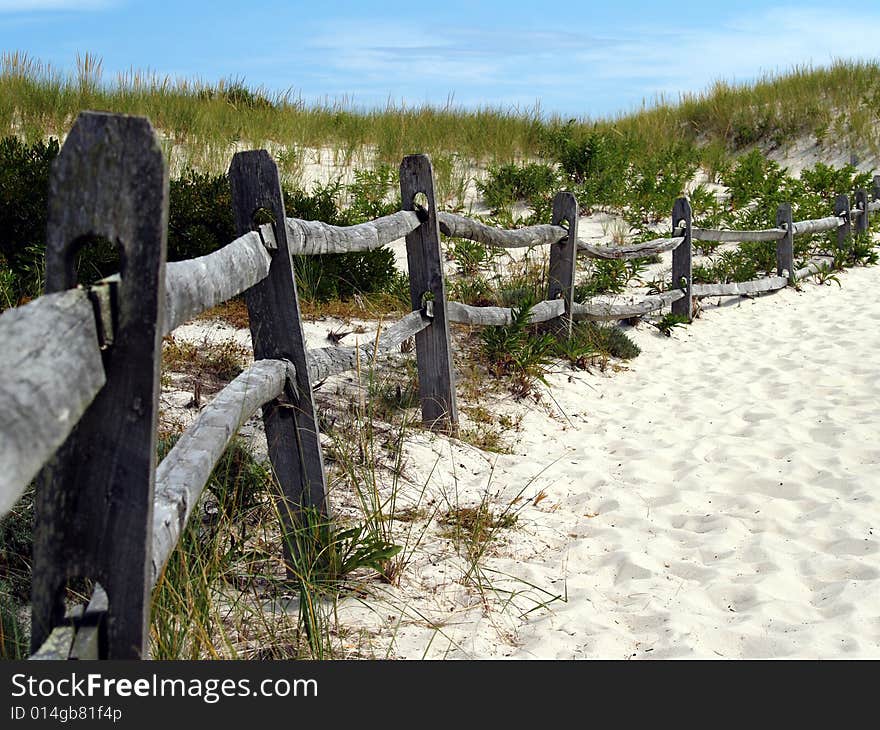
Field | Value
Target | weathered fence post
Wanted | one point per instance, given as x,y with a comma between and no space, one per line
94,502
426,285
682,277
785,245
276,331
841,209
563,255
861,202
875,188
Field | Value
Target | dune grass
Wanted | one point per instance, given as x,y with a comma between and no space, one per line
200,120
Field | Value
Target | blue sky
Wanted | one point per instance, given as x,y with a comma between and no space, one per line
575,59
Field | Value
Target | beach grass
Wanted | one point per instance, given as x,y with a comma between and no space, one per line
201,121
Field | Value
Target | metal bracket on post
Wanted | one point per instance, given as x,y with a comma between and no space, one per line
682,218
563,255
841,209
425,262
863,219
276,330
94,502
785,245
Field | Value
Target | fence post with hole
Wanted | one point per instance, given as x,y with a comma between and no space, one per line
862,220
428,291
682,278
785,245
841,209
94,500
563,255
276,331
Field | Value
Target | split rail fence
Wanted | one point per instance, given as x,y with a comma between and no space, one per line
79,400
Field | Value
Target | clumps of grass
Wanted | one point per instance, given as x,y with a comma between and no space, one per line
473,528
670,321
208,365
488,432
517,350
607,340
16,545
534,184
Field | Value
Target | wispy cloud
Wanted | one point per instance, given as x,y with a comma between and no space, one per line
573,69
32,6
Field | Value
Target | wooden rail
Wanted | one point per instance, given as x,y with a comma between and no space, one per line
79,400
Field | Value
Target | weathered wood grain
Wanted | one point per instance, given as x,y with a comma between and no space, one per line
563,253
328,361
502,316
88,643
94,501
185,470
606,311
682,277
841,210
56,646
727,236
811,268
52,371
309,238
630,251
816,225
426,284
198,284
292,433
738,288
863,219
458,226
785,245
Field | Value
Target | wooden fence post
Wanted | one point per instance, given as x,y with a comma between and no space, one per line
563,255
94,502
841,209
425,262
861,202
682,277
276,331
875,188
785,245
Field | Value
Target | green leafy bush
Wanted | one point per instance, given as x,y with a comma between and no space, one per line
534,183
199,215
24,183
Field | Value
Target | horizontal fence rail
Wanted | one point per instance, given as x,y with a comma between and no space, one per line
71,368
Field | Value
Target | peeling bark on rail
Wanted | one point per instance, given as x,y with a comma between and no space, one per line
606,311
633,251
183,473
458,226
737,288
198,284
328,361
503,316
311,238
52,371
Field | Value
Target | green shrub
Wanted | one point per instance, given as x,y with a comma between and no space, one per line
534,183
199,215
608,340
24,184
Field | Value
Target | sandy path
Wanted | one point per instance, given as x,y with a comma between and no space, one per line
721,497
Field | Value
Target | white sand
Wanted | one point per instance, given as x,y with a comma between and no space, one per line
717,498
